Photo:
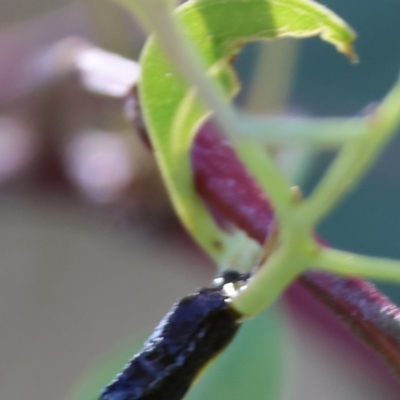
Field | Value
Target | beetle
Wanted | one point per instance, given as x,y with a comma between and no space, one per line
192,333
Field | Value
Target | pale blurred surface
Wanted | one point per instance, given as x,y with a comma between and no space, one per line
74,284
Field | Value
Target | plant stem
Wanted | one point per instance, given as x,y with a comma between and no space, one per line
292,131
354,159
272,78
345,263
355,302
158,19
364,140
269,282
239,125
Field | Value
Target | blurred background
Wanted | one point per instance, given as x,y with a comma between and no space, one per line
91,255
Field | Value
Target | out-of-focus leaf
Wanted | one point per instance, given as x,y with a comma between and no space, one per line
218,30
105,371
250,368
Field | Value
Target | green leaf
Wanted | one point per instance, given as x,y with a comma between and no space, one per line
218,30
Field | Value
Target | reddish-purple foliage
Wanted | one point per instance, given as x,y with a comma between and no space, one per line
231,191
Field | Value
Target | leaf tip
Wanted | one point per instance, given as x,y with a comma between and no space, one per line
346,47
351,54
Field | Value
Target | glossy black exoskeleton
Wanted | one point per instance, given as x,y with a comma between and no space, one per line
196,329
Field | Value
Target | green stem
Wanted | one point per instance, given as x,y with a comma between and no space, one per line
269,282
157,18
354,159
292,131
272,79
340,178
363,140
346,263
328,132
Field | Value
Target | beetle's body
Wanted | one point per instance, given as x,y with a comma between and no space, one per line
196,329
